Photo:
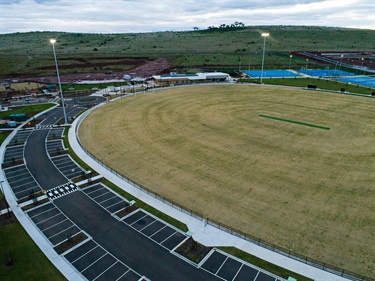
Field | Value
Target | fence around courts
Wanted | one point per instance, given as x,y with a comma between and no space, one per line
360,80
272,247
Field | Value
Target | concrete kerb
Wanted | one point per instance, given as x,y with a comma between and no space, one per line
66,269
202,232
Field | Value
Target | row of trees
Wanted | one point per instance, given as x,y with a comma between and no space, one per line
236,24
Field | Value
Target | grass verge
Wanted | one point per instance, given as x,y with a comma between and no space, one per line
3,136
29,261
323,84
28,109
72,153
270,267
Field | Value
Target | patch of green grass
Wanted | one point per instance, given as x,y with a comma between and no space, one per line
146,207
270,267
3,136
30,262
82,87
73,154
29,110
294,122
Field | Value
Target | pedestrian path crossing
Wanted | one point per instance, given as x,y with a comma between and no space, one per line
61,190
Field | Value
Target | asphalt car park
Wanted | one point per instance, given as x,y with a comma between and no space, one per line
56,133
230,268
95,263
13,153
21,181
155,229
56,226
67,166
106,198
54,146
20,137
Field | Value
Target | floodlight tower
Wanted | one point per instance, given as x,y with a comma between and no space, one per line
265,35
53,41
290,61
341,61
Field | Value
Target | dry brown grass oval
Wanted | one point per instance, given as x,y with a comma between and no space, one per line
206,148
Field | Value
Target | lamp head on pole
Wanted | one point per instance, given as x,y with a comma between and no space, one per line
265,34
52,41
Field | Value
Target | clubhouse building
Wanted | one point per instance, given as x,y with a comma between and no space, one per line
175,79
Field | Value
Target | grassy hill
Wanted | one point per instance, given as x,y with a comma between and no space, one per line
25,53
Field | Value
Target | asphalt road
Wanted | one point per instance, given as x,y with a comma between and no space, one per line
38,162
131,247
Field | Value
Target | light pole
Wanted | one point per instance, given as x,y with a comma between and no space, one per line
307,63
53,41
265,35
290,61
362,67
341,62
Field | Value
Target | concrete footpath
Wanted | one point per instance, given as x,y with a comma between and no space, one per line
201,232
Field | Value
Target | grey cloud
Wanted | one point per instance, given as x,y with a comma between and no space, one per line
146,15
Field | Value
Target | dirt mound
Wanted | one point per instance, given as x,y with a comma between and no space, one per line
144,68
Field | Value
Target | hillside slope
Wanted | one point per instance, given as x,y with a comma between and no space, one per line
31,53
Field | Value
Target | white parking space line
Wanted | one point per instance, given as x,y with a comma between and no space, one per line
49,218
167,238
114,205
22,185
85,253
238,271
61,231
92,191
139,219
55,225
100,195
148,225
158,231
114,196
13,182
105,253
18,192
16,173
221,265
105,270
41,213
123,275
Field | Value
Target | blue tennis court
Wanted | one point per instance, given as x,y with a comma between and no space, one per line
325,72
363,81
270,73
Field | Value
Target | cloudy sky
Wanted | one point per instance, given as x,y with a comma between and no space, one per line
114,16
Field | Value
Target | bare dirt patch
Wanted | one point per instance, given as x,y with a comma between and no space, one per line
141,68
206,148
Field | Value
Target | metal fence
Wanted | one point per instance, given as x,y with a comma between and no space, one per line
255,240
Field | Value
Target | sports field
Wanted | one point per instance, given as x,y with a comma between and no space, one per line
292,167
